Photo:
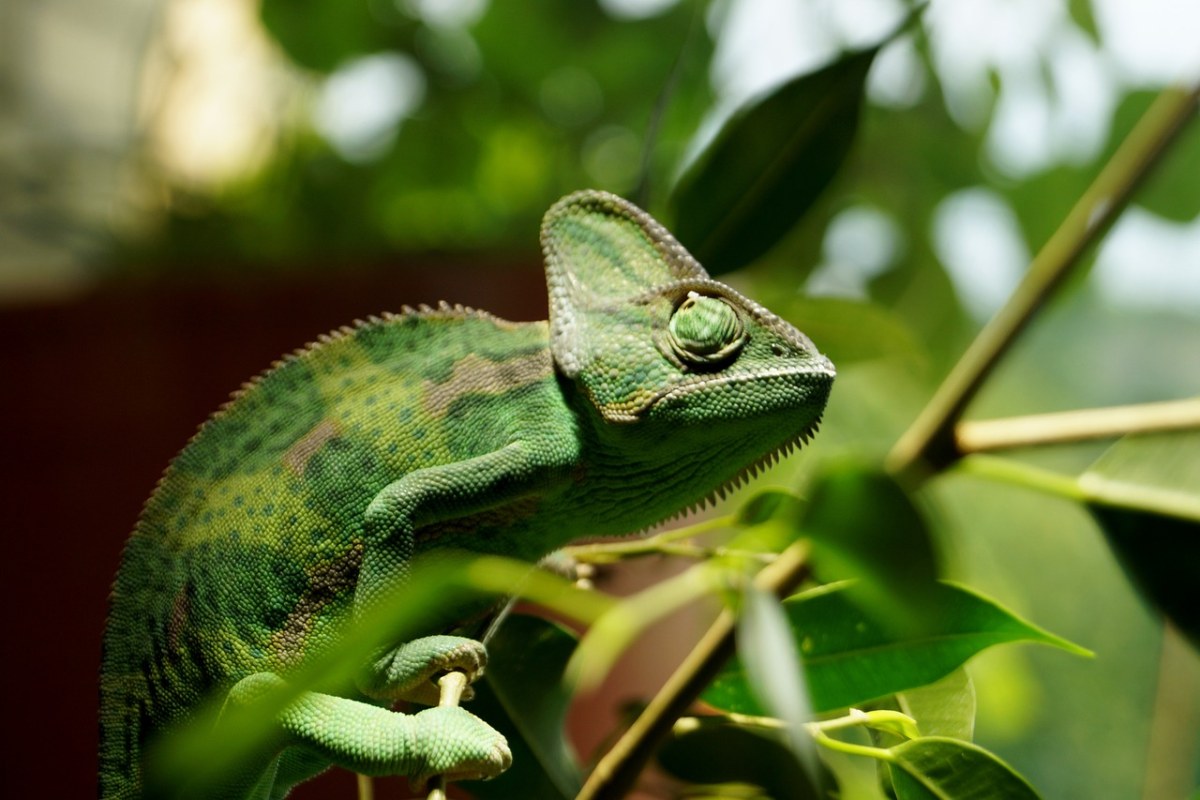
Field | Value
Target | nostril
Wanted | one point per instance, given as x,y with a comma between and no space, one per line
778,349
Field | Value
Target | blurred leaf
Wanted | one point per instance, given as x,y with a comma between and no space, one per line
849,658
935,768
768,164
516,112
864,526
773,669
1172,191
850,331
1081,14
321,34
1145,494
909,160
1041,201
943,708
524,683
768,504
723,753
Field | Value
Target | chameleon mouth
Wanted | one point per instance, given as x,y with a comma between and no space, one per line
822,373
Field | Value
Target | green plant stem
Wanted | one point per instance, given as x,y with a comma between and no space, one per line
1019,474
630,617
878,753
658,544
929,446
982,436
618,769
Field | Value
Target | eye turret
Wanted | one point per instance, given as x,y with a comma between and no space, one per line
706,332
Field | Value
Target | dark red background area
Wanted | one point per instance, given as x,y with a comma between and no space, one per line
97,393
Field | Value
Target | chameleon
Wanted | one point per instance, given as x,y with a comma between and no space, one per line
650,389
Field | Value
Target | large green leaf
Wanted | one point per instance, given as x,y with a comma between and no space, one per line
943,708
936,768
865,526
1145,494
768,164
714,754
850,658
526,700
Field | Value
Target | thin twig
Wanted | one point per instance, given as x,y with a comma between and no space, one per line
619,768
452,686
984,436
929,444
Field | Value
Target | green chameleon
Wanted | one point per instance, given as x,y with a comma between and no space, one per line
309,494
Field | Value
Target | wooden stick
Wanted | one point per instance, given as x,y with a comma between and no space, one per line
452,686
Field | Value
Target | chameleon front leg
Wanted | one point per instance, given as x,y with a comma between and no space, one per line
446,740
409,670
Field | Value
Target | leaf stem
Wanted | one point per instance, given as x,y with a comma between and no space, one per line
929,444
659,544
878,753
619,767
1035,430
1020,474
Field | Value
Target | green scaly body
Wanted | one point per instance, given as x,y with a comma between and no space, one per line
311,491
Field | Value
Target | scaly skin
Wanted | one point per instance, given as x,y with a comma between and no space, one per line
311,491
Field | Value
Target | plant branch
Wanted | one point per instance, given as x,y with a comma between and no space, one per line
1019,474
929,443
984,436
452,686
617,771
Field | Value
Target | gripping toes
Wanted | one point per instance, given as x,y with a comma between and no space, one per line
409,671
455,743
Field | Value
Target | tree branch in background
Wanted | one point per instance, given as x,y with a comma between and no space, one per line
985,436
929,444
619,768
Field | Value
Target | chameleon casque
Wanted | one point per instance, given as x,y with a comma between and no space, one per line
650,388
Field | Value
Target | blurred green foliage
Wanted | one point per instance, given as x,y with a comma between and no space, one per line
535,98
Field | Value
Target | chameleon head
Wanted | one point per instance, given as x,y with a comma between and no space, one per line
662,351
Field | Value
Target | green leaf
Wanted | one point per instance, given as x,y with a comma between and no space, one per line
320,35
943,708
1172,190
767,505
936,768
1145,494
864,526
722,754
849,658
1082,16
526,700
768,164
850,331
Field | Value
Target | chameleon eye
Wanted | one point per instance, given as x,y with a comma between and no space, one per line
706,331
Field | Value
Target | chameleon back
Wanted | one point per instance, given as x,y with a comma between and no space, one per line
246,556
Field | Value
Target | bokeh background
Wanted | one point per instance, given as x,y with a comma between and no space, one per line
189,188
